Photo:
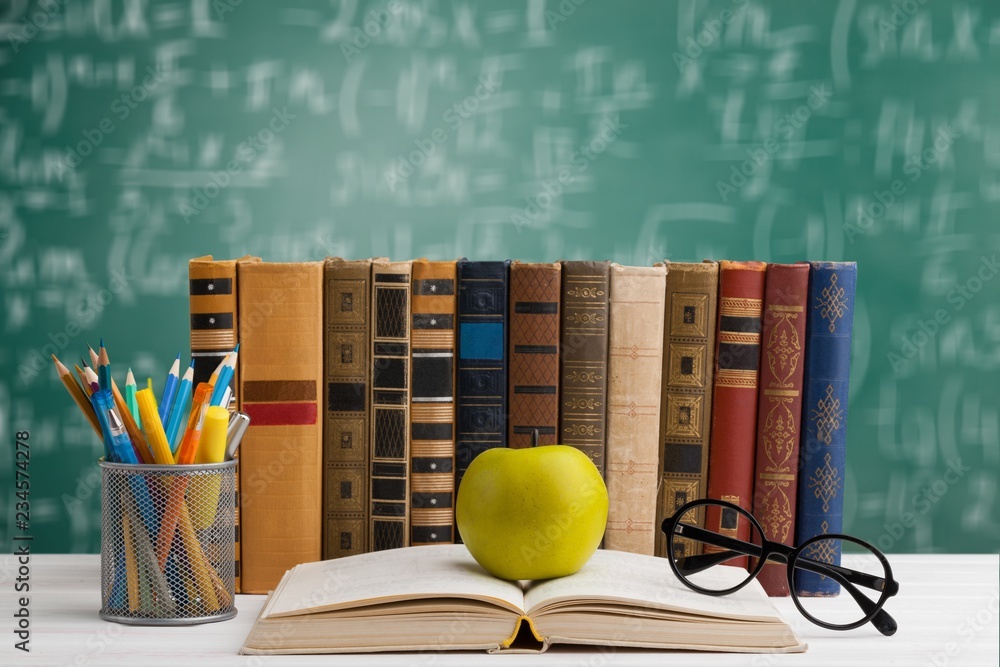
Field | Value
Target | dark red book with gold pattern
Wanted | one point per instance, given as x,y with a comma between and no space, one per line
734,411
534,353
779,410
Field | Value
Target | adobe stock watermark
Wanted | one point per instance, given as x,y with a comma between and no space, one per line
39,359
559,524
377,19
122,107
974,624
711,30
784,129
902,12
562,12
921,503
406,165
246,152
580,160
927,329
914,167
33,23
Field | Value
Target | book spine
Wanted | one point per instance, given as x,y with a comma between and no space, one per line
734,412
533,391
635,365
686,402
432,408
482,361
584,358
779,411
214,333
346,428
823,447
281,457
390,434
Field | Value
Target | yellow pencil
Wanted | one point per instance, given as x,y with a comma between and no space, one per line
78,395
151,423
199,564
131,569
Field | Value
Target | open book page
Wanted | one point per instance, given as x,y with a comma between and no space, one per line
647,581
438,571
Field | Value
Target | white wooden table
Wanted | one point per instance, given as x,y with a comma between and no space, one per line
948,611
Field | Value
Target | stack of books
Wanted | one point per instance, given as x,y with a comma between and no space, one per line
372,384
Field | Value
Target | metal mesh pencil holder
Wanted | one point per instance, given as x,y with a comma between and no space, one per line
167,543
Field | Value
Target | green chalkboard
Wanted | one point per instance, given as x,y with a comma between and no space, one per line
134,136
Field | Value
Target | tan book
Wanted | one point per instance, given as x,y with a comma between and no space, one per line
346,425
635,359
437,598
686,403
281,456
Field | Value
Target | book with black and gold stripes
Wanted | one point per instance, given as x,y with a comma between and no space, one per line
432,402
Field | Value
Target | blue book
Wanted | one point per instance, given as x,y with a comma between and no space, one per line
482,361
823,448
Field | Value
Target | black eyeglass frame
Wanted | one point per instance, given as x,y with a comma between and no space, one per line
792,557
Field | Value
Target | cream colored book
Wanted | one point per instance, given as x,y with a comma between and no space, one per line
437,598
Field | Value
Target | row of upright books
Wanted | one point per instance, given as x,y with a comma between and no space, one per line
372,384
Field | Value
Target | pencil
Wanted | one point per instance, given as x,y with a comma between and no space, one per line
103,368
170,389
87,389
158,444
79,397
130,390
94,360
138,439
95,385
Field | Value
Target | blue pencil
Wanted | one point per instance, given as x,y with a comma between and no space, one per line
179,413
225,377
169,389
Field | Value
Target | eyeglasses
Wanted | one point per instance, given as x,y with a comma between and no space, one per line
703,558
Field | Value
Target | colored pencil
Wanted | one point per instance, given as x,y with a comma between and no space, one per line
179,413
95,385
130,390
138,439
103,368
170,389
79,396
87,389
188,450
225,377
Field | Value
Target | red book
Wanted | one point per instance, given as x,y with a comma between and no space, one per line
734,411
779,411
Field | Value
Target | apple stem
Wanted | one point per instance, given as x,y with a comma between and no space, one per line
534,437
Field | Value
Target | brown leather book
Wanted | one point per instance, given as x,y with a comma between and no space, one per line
583,356
734,412
432,403
779,411
212,287
346,426
635,365
389,526
686,403
281,456
534,354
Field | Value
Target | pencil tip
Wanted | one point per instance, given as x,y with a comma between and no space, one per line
54,358
191,365
102,341
237,348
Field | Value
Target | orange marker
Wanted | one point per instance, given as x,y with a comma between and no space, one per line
192,436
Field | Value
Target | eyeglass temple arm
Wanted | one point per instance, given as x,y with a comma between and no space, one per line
846,577
882,621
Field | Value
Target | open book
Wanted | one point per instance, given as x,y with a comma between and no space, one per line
435,598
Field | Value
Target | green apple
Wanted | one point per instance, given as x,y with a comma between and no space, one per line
532,513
